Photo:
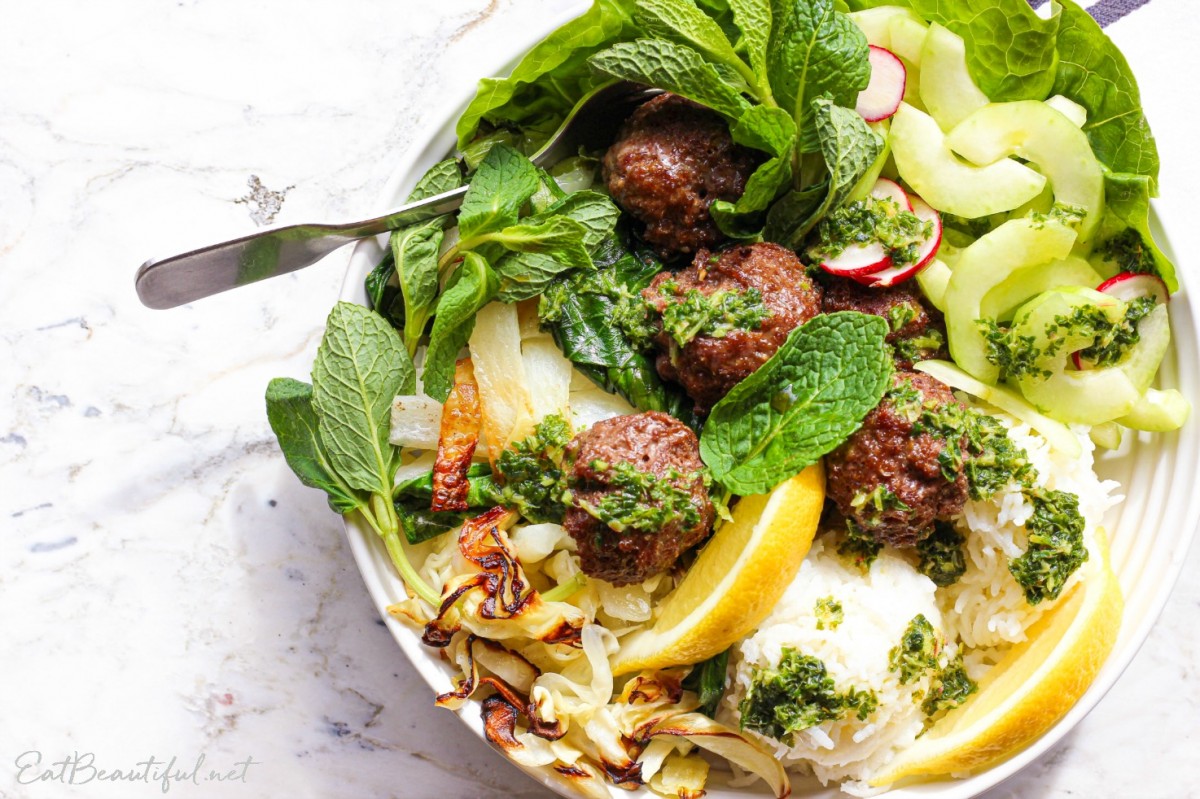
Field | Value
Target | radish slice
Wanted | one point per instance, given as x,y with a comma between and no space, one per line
858,259
885,189
891,275
1128,286
885,91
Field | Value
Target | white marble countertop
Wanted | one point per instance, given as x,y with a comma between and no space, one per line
167,588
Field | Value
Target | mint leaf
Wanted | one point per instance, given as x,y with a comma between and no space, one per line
552,76
594,211
415,262
442,177
771,130
849,148
806,400
473,286
557,237
815,50
683,21
361,365
1094,73
294,422
675,68
753,18
503,183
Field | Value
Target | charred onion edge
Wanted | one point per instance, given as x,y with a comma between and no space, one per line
462,419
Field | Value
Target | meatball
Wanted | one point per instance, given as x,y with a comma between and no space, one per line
888,479
626,529
671,159
708,366
918,331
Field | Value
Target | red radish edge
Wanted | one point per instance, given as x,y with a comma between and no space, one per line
859,259
885,90
885,189
891,275
1129,286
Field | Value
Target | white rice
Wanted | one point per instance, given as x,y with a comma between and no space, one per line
981,615
986,608
877,608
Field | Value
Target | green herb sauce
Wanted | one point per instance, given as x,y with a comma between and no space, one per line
534,482
641,501
798,694
873,219
942,557
829,613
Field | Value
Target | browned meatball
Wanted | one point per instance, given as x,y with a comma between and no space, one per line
918,331
708,366
889,481
638,496
671,159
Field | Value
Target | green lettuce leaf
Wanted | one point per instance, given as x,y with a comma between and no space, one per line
1124,236
553,75
1093,72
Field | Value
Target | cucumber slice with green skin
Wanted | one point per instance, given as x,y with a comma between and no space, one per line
951,185
1058,434
1141,364
1158,411
933,280
907,37
1092,397
946,86
1037,133
1015,245
1025,284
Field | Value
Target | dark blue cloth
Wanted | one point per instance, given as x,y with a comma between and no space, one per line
1105,12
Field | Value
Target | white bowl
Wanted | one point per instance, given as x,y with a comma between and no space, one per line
1150,531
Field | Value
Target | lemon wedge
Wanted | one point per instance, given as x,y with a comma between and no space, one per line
737,578
1031,688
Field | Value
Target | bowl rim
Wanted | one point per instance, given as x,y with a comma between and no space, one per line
370,556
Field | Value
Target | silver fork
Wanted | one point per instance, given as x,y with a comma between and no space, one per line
169,282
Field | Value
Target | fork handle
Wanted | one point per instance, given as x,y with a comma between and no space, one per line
179,279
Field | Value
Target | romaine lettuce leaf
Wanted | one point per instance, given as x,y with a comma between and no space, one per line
553,75
1093,73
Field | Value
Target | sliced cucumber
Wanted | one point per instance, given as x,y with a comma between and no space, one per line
1141,364
1036,132
907,33
1015,245
876,23
925,162
1070,109
1058,434
933,280
1025,284
946,86
1092,397
1107,435
1158,411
